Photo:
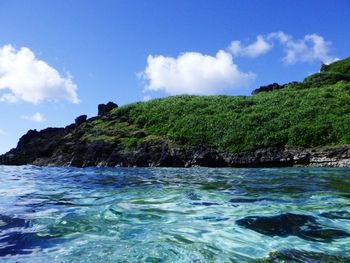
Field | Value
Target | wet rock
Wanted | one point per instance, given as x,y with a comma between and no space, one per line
302,226
301,256
281,225
203,155
322,235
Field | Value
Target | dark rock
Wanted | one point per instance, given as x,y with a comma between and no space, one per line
52,147
322,235
203,155
301,256
92,119
70,127
302,226
104,109
80,120
267,88
282,225
34,145
139,134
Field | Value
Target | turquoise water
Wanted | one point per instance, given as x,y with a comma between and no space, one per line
174,215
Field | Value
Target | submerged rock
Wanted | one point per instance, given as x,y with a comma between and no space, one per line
284,225
301,256
337,215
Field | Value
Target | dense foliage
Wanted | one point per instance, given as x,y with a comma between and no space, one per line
313,113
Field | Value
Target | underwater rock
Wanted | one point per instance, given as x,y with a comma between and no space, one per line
337,215
302,226
301,256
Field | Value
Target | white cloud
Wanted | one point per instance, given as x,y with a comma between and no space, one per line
24,77
259,47
194,73
37,117
311,47
2,132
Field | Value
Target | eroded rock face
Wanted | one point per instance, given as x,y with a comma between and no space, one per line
51,147
284,225
34,145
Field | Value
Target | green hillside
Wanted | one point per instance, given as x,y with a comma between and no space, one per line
313,113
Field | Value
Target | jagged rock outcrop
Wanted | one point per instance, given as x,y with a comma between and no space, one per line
104,109
80,119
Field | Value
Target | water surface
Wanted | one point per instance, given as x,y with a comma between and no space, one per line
174,215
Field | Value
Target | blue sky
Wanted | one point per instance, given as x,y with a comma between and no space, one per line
59,59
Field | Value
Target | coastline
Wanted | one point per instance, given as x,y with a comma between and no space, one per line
48,148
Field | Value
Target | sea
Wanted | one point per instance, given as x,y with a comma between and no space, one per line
65,214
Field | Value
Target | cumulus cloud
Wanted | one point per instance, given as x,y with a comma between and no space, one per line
311,47
194,73
25,77
36,117
259,47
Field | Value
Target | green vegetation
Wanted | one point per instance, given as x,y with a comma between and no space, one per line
313,113
111,131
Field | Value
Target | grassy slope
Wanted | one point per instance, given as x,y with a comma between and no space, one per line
309,114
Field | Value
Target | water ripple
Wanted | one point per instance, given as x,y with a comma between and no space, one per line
174,215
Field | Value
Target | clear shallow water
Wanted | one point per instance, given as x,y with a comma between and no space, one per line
173,215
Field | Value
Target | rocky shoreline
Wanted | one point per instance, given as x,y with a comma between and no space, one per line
51,147
66,147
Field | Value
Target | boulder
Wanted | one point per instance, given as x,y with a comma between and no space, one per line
81,119
104,109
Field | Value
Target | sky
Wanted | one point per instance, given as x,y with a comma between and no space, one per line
60,59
